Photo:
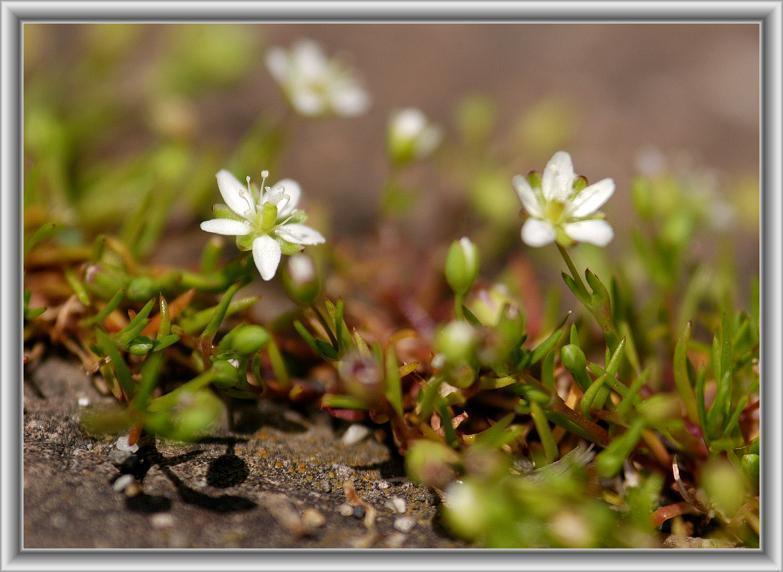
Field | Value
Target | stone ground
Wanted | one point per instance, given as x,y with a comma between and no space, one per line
278,481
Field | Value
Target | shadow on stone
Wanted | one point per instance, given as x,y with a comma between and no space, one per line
148,504
227,470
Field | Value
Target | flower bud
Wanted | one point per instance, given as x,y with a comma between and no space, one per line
141,288
248,339
575,362
226,373
456,341
660,408
465,509
192,416
362,377
430,463
411,136
724,485
300,279
573,358
462,265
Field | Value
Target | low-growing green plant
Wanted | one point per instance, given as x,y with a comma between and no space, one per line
628,420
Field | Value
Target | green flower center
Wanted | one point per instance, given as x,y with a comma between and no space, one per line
265,219
554,211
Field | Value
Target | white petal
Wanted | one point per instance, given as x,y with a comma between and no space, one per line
277,63
350,100
266,255
235,194
300,234
558,177
526,195
285,195
226,226
596,232
309,60
537,232
307,101
592,198
408,123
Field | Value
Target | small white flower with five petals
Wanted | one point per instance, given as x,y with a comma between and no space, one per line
315,85
561,207
263,220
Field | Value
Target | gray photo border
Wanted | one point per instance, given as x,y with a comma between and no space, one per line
13,14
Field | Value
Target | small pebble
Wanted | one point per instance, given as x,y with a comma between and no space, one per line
383,485
122,445
354,434
117,457
312,519
345,509
326,487
133,490
358,512
122,482
162,520
404,523
399,505
83,401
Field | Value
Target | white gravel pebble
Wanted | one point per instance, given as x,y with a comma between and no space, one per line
83,401
122,483
399,505
162,520
404,523
122,445
354,434
345,509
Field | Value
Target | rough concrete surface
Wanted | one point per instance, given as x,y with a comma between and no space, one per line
277,481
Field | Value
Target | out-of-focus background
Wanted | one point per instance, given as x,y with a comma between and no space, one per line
621,98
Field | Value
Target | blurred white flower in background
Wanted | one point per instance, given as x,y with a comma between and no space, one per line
562,207
411,135
264,220
314,84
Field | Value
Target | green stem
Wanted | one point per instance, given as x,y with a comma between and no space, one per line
571,267
459,313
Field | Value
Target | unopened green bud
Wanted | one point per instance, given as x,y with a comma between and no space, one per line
660,408
430,463
226,373
573,358
249,339
462,264
300,279
724,485
141,288
456,341
465,509
194,414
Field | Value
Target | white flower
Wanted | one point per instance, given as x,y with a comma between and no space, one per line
561,208
264,220
412,135
314,84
